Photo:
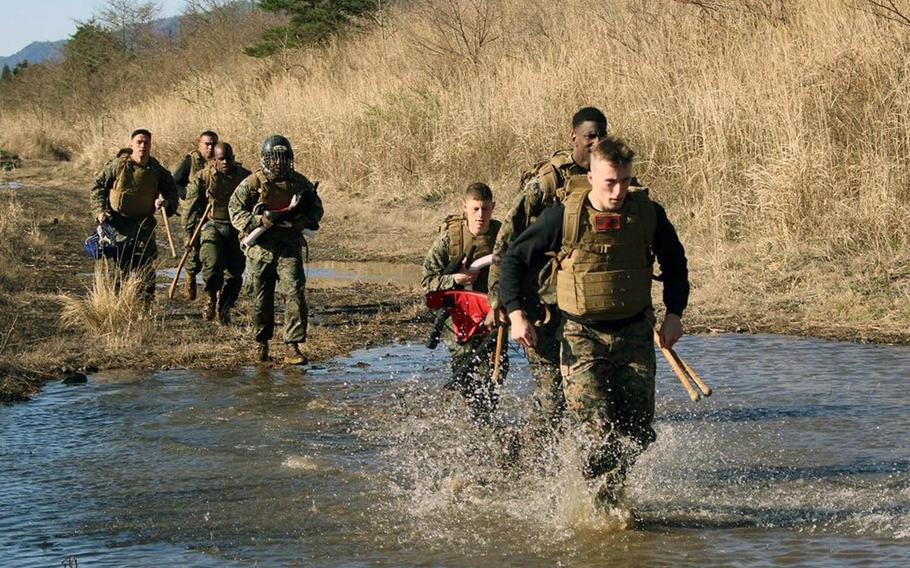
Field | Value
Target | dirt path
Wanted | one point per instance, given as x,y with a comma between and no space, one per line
35,348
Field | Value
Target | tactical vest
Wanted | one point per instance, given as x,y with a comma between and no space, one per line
554,175
274,195
461,239
220,187
135,188
603,270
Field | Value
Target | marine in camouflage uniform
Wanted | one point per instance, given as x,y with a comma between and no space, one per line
605,239
277,255
126,194
543,187
219,248
472,363
186,172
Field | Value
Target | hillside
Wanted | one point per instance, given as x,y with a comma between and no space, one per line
41,51
775,133
35,52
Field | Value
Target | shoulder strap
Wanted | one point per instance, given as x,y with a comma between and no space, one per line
454,225
571,217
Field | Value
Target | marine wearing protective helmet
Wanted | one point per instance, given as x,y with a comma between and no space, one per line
276,157
277,253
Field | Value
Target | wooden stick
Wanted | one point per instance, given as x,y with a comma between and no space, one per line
499,341
188,250
702,386
167,229
677,368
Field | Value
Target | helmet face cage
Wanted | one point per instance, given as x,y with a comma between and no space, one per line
276,157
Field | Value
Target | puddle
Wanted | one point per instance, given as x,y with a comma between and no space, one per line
324,274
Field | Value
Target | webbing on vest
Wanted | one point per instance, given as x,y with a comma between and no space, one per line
604,273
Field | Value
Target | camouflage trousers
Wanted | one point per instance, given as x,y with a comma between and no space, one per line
193,264
281,267
472,374
138,251
543,358
219,251
608,381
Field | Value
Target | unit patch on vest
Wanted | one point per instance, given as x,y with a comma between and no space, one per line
607,222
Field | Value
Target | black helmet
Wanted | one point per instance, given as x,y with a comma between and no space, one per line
276,157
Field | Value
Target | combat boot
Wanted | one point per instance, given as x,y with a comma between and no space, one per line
263,352
224,315
189,286
295,356
210,307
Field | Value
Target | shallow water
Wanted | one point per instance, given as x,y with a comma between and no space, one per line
323,274
800,458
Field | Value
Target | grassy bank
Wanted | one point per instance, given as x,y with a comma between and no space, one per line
61,315
775,133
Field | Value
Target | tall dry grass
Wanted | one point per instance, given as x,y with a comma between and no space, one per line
112,315
19,235
775,132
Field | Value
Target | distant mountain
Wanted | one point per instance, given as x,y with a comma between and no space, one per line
34,52
39,51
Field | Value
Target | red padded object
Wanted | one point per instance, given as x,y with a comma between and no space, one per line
466,308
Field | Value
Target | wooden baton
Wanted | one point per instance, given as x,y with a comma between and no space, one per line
499,341
189,248
167,229
678,369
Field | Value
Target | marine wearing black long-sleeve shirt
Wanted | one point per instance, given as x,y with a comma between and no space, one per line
528,253
605,237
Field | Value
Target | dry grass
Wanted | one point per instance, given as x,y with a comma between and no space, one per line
775,133
112,316
19,236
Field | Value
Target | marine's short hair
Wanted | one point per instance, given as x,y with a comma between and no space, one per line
139,131
613,150
585,114
479,191
226,148
210,134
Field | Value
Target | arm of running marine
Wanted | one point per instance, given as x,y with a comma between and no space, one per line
434,265
527,206
196,203
100,195
182,173
671,256
168,190
240,208
528,253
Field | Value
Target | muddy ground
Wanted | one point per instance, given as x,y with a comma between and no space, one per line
34,348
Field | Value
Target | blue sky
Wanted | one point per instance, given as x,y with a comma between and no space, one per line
25,21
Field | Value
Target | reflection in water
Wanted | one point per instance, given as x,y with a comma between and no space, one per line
325,274
800,458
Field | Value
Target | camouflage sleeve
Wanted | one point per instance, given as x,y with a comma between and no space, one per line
168,190
196,202
100,195
528,205
434,265
240,208
312,214
182,173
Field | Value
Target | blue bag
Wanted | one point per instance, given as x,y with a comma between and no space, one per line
102,243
